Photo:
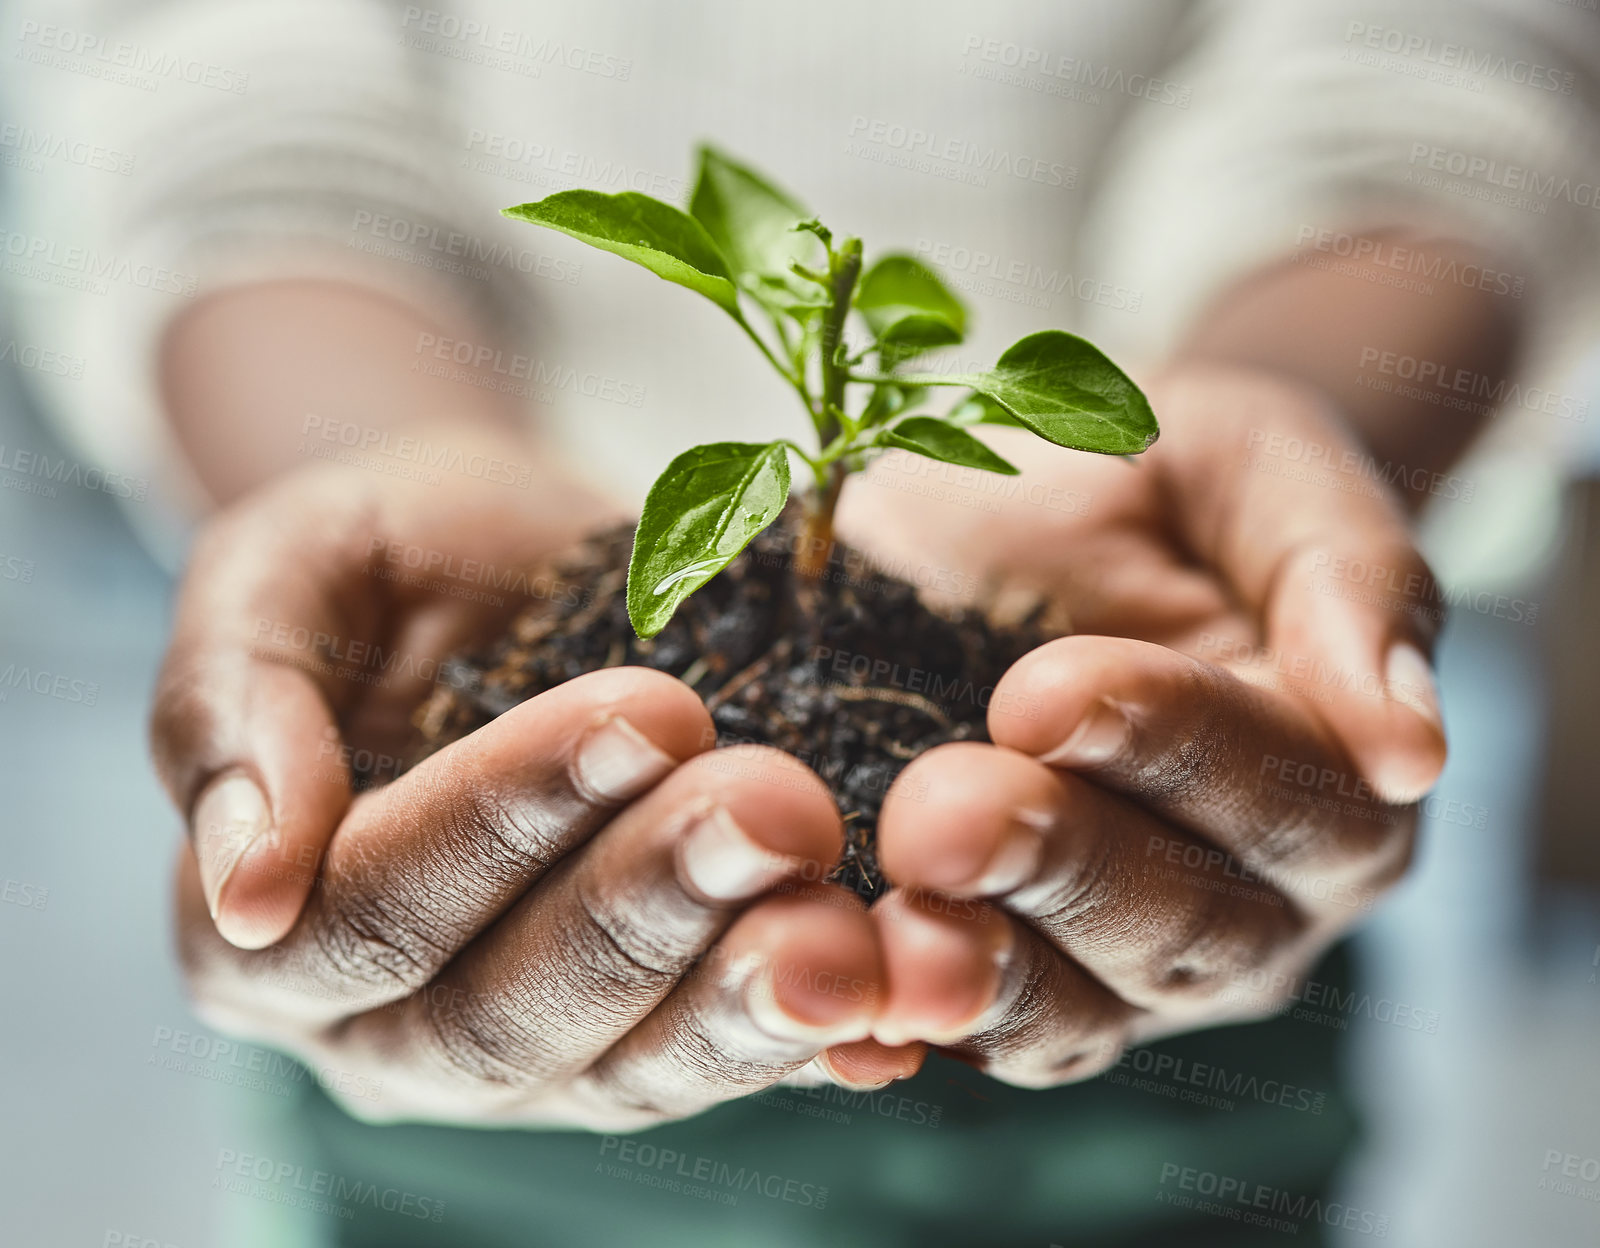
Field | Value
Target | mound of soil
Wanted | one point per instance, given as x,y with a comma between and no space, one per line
851,673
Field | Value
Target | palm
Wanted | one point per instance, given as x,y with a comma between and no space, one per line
1093,535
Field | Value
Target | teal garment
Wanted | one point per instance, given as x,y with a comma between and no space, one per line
948,1158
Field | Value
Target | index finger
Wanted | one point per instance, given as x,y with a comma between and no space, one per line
1252,771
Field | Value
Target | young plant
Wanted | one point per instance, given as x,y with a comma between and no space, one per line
746,244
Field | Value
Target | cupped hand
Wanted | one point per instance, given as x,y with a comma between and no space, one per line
1194,793
578,915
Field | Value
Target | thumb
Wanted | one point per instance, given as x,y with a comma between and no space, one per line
244,726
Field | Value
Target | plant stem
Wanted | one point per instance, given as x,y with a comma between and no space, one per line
844,267
816,535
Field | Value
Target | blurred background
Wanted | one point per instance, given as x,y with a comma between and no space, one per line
1472,1041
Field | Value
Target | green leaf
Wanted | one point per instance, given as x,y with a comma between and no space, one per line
701,512
908,308
666,240
980,409
749,219
1066,391
930,436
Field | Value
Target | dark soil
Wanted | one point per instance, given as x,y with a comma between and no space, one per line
851,674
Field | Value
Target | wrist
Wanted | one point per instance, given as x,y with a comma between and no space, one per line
255,378
1382,353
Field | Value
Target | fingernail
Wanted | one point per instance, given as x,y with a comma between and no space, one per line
844,1081
1100,736
973,1003
793,1006
1409,679
615,761
719,860
1017,859
229,818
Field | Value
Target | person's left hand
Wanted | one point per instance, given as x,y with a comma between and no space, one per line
1198,790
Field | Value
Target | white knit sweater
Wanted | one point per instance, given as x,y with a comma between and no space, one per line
1101,165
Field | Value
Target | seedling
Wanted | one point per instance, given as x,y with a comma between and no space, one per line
748,246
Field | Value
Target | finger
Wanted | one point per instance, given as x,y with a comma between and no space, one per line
1297,555
585,955
870,1064
1109,884
1253,772
421,866
793,975
279,634
993,992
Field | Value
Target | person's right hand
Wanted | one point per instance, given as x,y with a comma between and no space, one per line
567,917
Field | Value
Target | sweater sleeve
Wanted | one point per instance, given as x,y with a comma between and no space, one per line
1312,121
183,146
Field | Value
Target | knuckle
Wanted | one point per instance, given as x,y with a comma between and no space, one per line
608,1084
365,943
1197,763
612,944
492,834
1211,945
482,1038
181,718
